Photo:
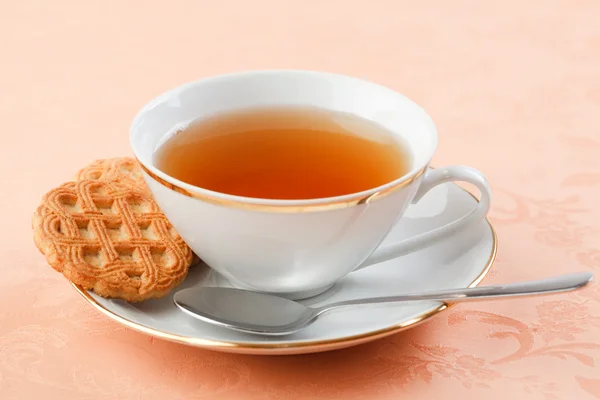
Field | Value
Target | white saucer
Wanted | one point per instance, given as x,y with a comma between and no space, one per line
458,262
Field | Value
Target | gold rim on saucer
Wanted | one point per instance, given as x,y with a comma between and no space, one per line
281,348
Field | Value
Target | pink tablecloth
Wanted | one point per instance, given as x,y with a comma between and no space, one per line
513,86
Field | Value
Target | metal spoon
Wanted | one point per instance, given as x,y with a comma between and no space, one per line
266,314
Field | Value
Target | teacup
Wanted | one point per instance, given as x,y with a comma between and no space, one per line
296,248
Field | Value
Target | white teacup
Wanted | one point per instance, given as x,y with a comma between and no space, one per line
296,248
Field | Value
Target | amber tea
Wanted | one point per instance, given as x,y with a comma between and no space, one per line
284,153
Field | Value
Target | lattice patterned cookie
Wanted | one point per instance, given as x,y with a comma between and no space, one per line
112,239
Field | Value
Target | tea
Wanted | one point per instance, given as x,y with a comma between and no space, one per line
285,153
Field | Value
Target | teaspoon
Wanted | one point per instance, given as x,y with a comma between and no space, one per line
266,314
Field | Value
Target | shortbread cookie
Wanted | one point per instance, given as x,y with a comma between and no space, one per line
112,239
122,170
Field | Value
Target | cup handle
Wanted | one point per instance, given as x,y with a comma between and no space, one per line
432,178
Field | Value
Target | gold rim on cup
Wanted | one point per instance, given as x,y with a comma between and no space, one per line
290,208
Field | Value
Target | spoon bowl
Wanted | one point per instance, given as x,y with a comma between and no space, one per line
261,313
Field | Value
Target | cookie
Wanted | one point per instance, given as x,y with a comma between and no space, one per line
123,170
112,239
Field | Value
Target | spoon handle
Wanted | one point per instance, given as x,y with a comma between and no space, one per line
560,283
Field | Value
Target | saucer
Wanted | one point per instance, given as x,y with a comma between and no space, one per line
458,262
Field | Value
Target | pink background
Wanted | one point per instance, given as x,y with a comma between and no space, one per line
513,86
